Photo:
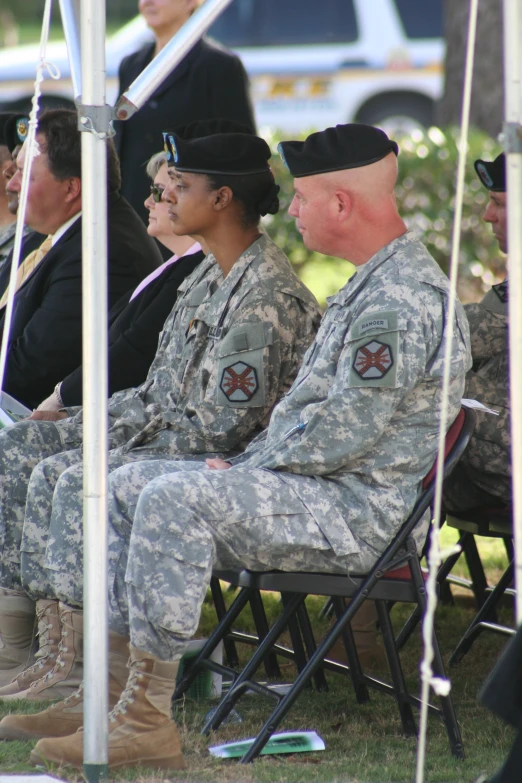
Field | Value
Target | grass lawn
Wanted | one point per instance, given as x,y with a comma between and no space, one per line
363,742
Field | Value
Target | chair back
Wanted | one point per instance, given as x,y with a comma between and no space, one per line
457,439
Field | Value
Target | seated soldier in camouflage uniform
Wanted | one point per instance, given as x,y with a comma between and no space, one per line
483,475
336,473
229,350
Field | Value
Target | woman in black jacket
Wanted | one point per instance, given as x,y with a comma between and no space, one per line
209,82
137,318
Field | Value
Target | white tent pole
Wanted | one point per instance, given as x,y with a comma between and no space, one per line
513,149
94,120
71,29
142,88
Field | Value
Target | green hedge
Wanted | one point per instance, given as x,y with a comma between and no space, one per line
425,196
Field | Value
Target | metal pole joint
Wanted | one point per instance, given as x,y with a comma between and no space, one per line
511,138
96,120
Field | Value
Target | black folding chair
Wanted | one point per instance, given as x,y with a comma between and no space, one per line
492,523
388,581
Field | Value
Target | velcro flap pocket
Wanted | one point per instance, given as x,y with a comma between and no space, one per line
197,295
374,344
242,365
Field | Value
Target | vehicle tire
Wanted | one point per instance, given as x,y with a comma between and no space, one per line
398,112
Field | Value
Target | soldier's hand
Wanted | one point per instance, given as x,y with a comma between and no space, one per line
51,403
217,464
48,415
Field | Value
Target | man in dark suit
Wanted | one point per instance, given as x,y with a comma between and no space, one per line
210,82
46,337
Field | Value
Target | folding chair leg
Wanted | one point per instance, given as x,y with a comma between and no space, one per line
286,703
258,613
479,583
356,672
484,613
309,641
295,636
242,682
221,610
397,675
215,637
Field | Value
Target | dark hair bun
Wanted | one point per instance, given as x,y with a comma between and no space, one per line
269,204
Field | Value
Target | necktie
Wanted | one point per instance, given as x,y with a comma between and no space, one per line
28,266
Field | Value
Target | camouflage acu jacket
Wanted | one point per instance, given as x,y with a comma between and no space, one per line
487,458
357,432
229,350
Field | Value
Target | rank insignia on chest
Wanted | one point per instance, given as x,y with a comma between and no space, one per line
239,382
215,332
373,360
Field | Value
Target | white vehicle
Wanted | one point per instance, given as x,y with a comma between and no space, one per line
311,63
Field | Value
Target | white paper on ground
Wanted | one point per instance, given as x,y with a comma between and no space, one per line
477,406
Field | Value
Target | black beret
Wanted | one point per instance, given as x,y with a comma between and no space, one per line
15,130
4,117
492,174
199,128
221,153
342,147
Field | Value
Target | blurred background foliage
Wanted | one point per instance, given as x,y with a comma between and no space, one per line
425,195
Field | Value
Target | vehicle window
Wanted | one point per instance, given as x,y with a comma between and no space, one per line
239,24
285,22
421,19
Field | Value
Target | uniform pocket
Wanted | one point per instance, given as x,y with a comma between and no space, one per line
242,365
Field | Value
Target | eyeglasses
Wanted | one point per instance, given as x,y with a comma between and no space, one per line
155,192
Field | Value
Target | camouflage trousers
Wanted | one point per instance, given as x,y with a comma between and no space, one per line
186,523
22,447
51,549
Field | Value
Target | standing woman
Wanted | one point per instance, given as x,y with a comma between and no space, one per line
209,82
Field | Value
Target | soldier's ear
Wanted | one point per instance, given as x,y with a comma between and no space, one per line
342,204
223,197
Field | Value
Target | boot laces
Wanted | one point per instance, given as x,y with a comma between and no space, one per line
43,654
59,663
77,694
132,687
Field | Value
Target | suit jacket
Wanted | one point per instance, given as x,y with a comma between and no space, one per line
210,82
134,329
45,343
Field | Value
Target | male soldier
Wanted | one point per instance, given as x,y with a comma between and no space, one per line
483,475
341,464
251,316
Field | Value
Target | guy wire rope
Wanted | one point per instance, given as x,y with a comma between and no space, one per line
434,555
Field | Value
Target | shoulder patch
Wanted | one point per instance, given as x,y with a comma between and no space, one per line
239,382
373,360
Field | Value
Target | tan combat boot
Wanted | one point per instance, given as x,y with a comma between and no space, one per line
16,633
49,634
141,730
67,673
364,626
66,717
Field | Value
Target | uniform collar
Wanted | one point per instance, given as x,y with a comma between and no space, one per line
363,272
212,309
